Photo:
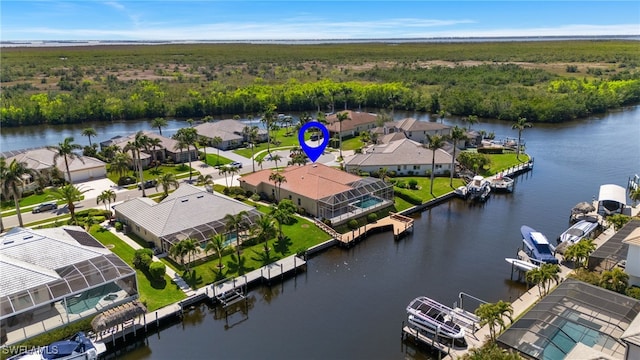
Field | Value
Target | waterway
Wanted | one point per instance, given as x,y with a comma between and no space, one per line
350,304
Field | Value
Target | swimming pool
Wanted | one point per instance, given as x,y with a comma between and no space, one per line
90,298
367,202
565,339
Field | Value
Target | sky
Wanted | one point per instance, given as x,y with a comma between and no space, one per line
311,20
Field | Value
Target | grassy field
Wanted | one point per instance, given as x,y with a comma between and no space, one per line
179,170
352,143
501,162
214,159
281,140
154,294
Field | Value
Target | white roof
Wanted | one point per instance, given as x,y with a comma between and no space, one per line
539,238
612,192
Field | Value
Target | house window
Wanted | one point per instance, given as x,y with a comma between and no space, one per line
290,197
438,166
404,167
299,202
399,168
416,167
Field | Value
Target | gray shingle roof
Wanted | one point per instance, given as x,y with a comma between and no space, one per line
399,152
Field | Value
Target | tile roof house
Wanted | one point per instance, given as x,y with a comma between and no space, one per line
81,168
166,150
230,131
188,212
322,191
405,157
416,130
360,121
51,277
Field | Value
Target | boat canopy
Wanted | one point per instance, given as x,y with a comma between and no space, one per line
539,238
612,192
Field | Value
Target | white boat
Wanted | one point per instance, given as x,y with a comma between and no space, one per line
521,264
578,231
432,317
479,188
537,246
502,183
77,347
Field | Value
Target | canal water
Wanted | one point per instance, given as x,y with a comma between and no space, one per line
350,304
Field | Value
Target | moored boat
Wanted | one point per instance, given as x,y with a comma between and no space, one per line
578,231
502,183
537,246
435,318
478,189
77,347
522,264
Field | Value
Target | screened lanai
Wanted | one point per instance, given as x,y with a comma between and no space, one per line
366,195
575,312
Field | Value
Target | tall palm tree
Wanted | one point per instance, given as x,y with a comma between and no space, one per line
140,142
106,197
204,180
490,315
251,133
232,170
217,244
615,280
190,247
520,125
153,144
343,116
3,172
215,142
167,180
188,137
69,194
120,164
505,309
435,142
236,223
277,179
275,158
13,182
470,120
457,134
224,170
159,123
177,250
89,132
283,213
66,149
267,120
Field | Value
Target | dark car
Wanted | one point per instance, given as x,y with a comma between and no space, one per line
148,184
44,207
236,164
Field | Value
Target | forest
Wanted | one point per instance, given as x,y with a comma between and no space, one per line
551,81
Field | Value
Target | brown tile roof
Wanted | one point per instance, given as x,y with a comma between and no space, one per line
357,118
314,181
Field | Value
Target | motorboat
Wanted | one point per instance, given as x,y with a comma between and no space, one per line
478,189
578,231
537,246
501,183
434,318
522,264
77,347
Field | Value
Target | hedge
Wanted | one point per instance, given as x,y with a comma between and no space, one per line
408,197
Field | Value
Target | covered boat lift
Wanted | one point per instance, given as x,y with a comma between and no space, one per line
611,199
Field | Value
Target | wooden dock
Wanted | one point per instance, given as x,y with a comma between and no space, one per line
398,224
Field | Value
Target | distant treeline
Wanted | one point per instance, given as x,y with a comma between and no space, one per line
77,85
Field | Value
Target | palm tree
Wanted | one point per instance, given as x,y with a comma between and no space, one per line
435,142
65,150
120,163
260,161
542,276
89,132
106,197
236,223
13,182
457,134
188,137
470,120
203,145
232,170
167,181
215,142
505,309
277,179
490,315
442,115
69,194
580,251
534,277
177,250
265,230
224,170
190,247
275,158
205,180
217,244
615,279
159,123
635,195
283,213
341,117
154,143
251,133
382,173
520,125
3,172
267,119
140,142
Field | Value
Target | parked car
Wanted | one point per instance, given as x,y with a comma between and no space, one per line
148,184
236,164
45,206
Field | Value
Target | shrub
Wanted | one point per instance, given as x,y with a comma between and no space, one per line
126,180
373,217
633,292
401,184
118,225
255,197
142,258
408,197
413,184
157,270
392,173
353,224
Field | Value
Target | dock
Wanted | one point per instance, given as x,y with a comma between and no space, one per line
399,224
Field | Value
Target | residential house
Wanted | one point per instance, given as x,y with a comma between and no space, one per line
322,191
52,277
231,133
416,130
82,168
632,266
404,156
167,151
188,212
359,122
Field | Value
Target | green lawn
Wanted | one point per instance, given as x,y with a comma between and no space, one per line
281,140
153,173
153,294
214,159
501,162
440,187
28,200
401,204
352,143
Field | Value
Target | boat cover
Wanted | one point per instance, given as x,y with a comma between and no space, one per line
612,192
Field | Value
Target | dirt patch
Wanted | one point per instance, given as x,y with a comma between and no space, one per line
304,226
